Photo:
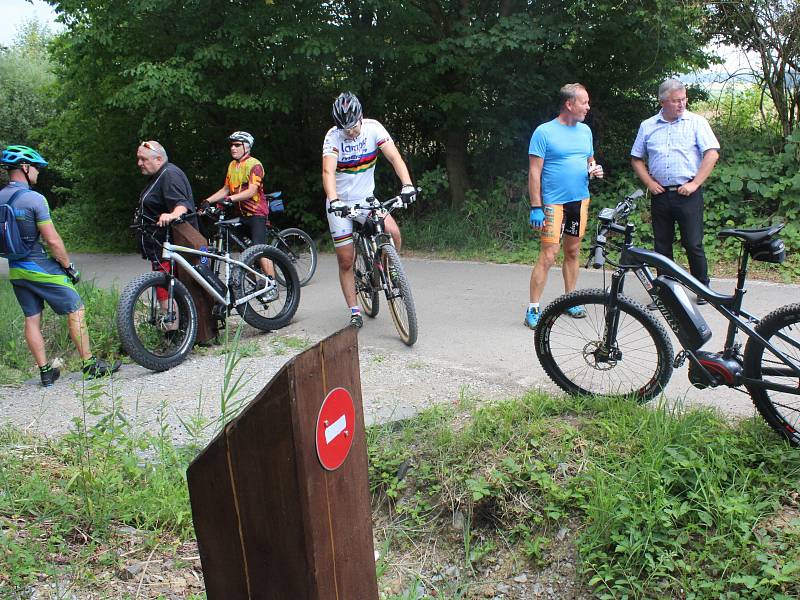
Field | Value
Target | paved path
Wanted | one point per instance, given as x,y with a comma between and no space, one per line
470,316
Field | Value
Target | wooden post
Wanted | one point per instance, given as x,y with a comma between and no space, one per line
272,523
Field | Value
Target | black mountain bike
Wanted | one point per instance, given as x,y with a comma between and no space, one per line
377,265
293,242
157,316
620,349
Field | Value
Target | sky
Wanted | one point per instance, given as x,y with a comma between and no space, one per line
14,13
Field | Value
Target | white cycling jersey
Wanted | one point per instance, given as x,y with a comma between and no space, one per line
355,159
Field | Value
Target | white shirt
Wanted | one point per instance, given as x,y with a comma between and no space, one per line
355,159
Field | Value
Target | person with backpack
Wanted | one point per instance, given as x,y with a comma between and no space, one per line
38,275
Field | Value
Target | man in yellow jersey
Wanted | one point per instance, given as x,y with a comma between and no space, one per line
244,187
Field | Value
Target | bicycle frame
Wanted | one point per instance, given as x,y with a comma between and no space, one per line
173,253
638,260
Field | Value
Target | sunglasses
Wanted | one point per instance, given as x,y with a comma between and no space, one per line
149,146
236,144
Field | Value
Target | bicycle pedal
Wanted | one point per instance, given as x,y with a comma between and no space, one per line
680,358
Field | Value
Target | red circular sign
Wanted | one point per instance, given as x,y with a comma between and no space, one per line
335,428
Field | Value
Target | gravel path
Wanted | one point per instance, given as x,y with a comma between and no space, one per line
192,391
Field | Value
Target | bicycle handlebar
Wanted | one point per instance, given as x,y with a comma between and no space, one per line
372,204
610,221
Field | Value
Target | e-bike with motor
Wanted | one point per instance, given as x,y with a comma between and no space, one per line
293,242
377,265
620,349
157,317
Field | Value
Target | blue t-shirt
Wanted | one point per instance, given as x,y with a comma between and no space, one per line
566,150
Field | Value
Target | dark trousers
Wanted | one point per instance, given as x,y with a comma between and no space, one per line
670,208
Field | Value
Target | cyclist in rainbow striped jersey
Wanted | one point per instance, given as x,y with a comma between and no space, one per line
349,154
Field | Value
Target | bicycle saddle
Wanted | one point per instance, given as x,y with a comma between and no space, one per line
752,236
234,221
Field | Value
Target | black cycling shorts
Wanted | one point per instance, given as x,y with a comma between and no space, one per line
256,228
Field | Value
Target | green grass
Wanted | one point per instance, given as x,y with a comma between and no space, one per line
17,362
661,503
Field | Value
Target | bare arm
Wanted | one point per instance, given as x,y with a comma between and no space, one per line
710,158
535,164
218,195
392,154
54,243
245,194
641,172
329,176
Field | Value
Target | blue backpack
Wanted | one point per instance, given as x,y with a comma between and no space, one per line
12,246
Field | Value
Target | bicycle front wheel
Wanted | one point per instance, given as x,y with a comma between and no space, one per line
150,333
272,309
780,409
365,281
398,294
301,250
572,352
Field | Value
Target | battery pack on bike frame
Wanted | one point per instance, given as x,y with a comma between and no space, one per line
685,320
213,280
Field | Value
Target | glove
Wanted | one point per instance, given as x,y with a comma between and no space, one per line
537,217
73,273
205,205
336,205
408,194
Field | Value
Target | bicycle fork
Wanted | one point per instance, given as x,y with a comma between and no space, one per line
608,350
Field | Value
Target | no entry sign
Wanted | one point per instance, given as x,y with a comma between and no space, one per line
335,428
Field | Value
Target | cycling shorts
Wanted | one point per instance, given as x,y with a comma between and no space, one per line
40,281
341,228
256,228
565,219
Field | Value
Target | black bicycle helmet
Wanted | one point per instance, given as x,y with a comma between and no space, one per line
14,156
242,136
346,110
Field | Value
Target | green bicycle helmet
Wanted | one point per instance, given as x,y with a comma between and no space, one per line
14,156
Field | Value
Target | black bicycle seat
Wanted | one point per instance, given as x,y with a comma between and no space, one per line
234,221
752,236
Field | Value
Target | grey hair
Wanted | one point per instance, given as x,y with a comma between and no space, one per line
668,86
568,93
156,148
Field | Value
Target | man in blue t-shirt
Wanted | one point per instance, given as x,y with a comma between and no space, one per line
561,162
44,275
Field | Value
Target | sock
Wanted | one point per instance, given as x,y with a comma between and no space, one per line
355,310
533,305
45,368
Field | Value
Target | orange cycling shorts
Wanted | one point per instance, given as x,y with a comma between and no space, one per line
565,219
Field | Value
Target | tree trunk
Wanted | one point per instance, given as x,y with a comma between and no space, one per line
456,163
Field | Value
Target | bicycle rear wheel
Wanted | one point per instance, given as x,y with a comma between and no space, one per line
780,409
268,311
148,333
401,302
365,280
301,250
570,349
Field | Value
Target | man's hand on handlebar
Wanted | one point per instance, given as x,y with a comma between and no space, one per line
408,194
337,206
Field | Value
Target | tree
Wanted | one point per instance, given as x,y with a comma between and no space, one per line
771,30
